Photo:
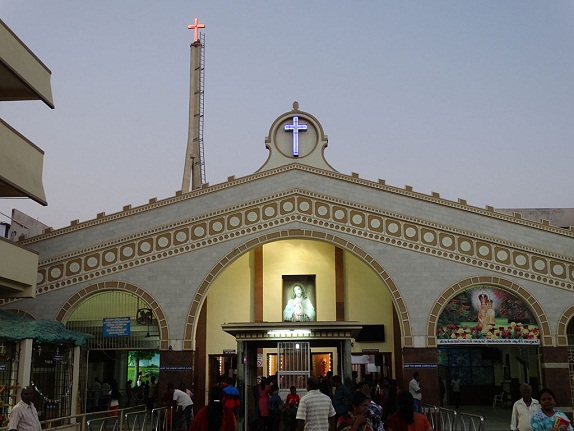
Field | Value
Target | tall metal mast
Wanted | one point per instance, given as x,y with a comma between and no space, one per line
194,169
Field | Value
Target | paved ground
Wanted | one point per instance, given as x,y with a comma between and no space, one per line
497,419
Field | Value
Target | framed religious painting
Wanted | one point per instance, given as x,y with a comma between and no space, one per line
299,304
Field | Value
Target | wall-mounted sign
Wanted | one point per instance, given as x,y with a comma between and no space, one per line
229,351
116,326
485,314
421,365
370,351
175,368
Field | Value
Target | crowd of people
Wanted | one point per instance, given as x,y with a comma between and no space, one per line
329,404
106,394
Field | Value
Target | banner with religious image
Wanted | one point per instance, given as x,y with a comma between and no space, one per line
487,315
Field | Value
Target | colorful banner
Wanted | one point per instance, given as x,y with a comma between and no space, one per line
487,315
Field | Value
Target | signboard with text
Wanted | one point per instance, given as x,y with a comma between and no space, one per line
116,326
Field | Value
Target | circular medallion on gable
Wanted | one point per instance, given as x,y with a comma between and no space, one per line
558,270
127,251
296,136
520,260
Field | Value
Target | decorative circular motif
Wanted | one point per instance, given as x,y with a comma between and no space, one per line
322,210
162,241
393,227
357,219
539,264
270,211
198,231
110,256
74,267
483,250
181,236
287,206
428,236
339,215
520,260
92,262
252,216
446,241
39,278
234,221
217,226
128,251
501,255
304,206
410,232
465,246
56,272
375,223
558,269
145,247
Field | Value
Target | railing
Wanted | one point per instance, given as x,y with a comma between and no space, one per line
129,419
442,419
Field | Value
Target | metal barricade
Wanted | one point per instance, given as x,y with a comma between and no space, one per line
443,419
433,415
162,418
135,420
470,422
447,420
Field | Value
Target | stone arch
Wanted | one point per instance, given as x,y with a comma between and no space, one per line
562,327
82,294
201,293
448,294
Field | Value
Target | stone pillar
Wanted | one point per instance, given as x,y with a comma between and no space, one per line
74,408
555,375
346,350
25,362
423,360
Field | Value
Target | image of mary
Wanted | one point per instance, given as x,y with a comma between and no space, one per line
299,307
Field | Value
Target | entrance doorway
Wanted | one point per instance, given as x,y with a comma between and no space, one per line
221,367
294,367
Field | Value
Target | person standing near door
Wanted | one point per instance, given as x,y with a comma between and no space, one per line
523,409
455,385
415,390
315,412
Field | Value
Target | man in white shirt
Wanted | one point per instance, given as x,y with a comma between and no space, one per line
24,416
523,409
315,412
184,405
415,390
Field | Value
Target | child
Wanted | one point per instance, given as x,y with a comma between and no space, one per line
275,407
292,402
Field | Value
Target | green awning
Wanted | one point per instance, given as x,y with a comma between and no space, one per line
14,327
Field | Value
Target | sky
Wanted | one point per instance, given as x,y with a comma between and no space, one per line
470,99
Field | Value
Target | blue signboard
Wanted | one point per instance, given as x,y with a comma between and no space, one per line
116,326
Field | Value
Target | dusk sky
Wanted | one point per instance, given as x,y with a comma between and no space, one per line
470,99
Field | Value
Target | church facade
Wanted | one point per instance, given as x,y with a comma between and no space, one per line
229,278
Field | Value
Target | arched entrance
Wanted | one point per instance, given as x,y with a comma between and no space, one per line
250,286
125,349
488,336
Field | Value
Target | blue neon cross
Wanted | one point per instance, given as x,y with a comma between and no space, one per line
295,127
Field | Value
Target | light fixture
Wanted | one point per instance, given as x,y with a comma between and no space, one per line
288,332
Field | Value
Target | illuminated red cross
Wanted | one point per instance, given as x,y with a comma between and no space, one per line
196,26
